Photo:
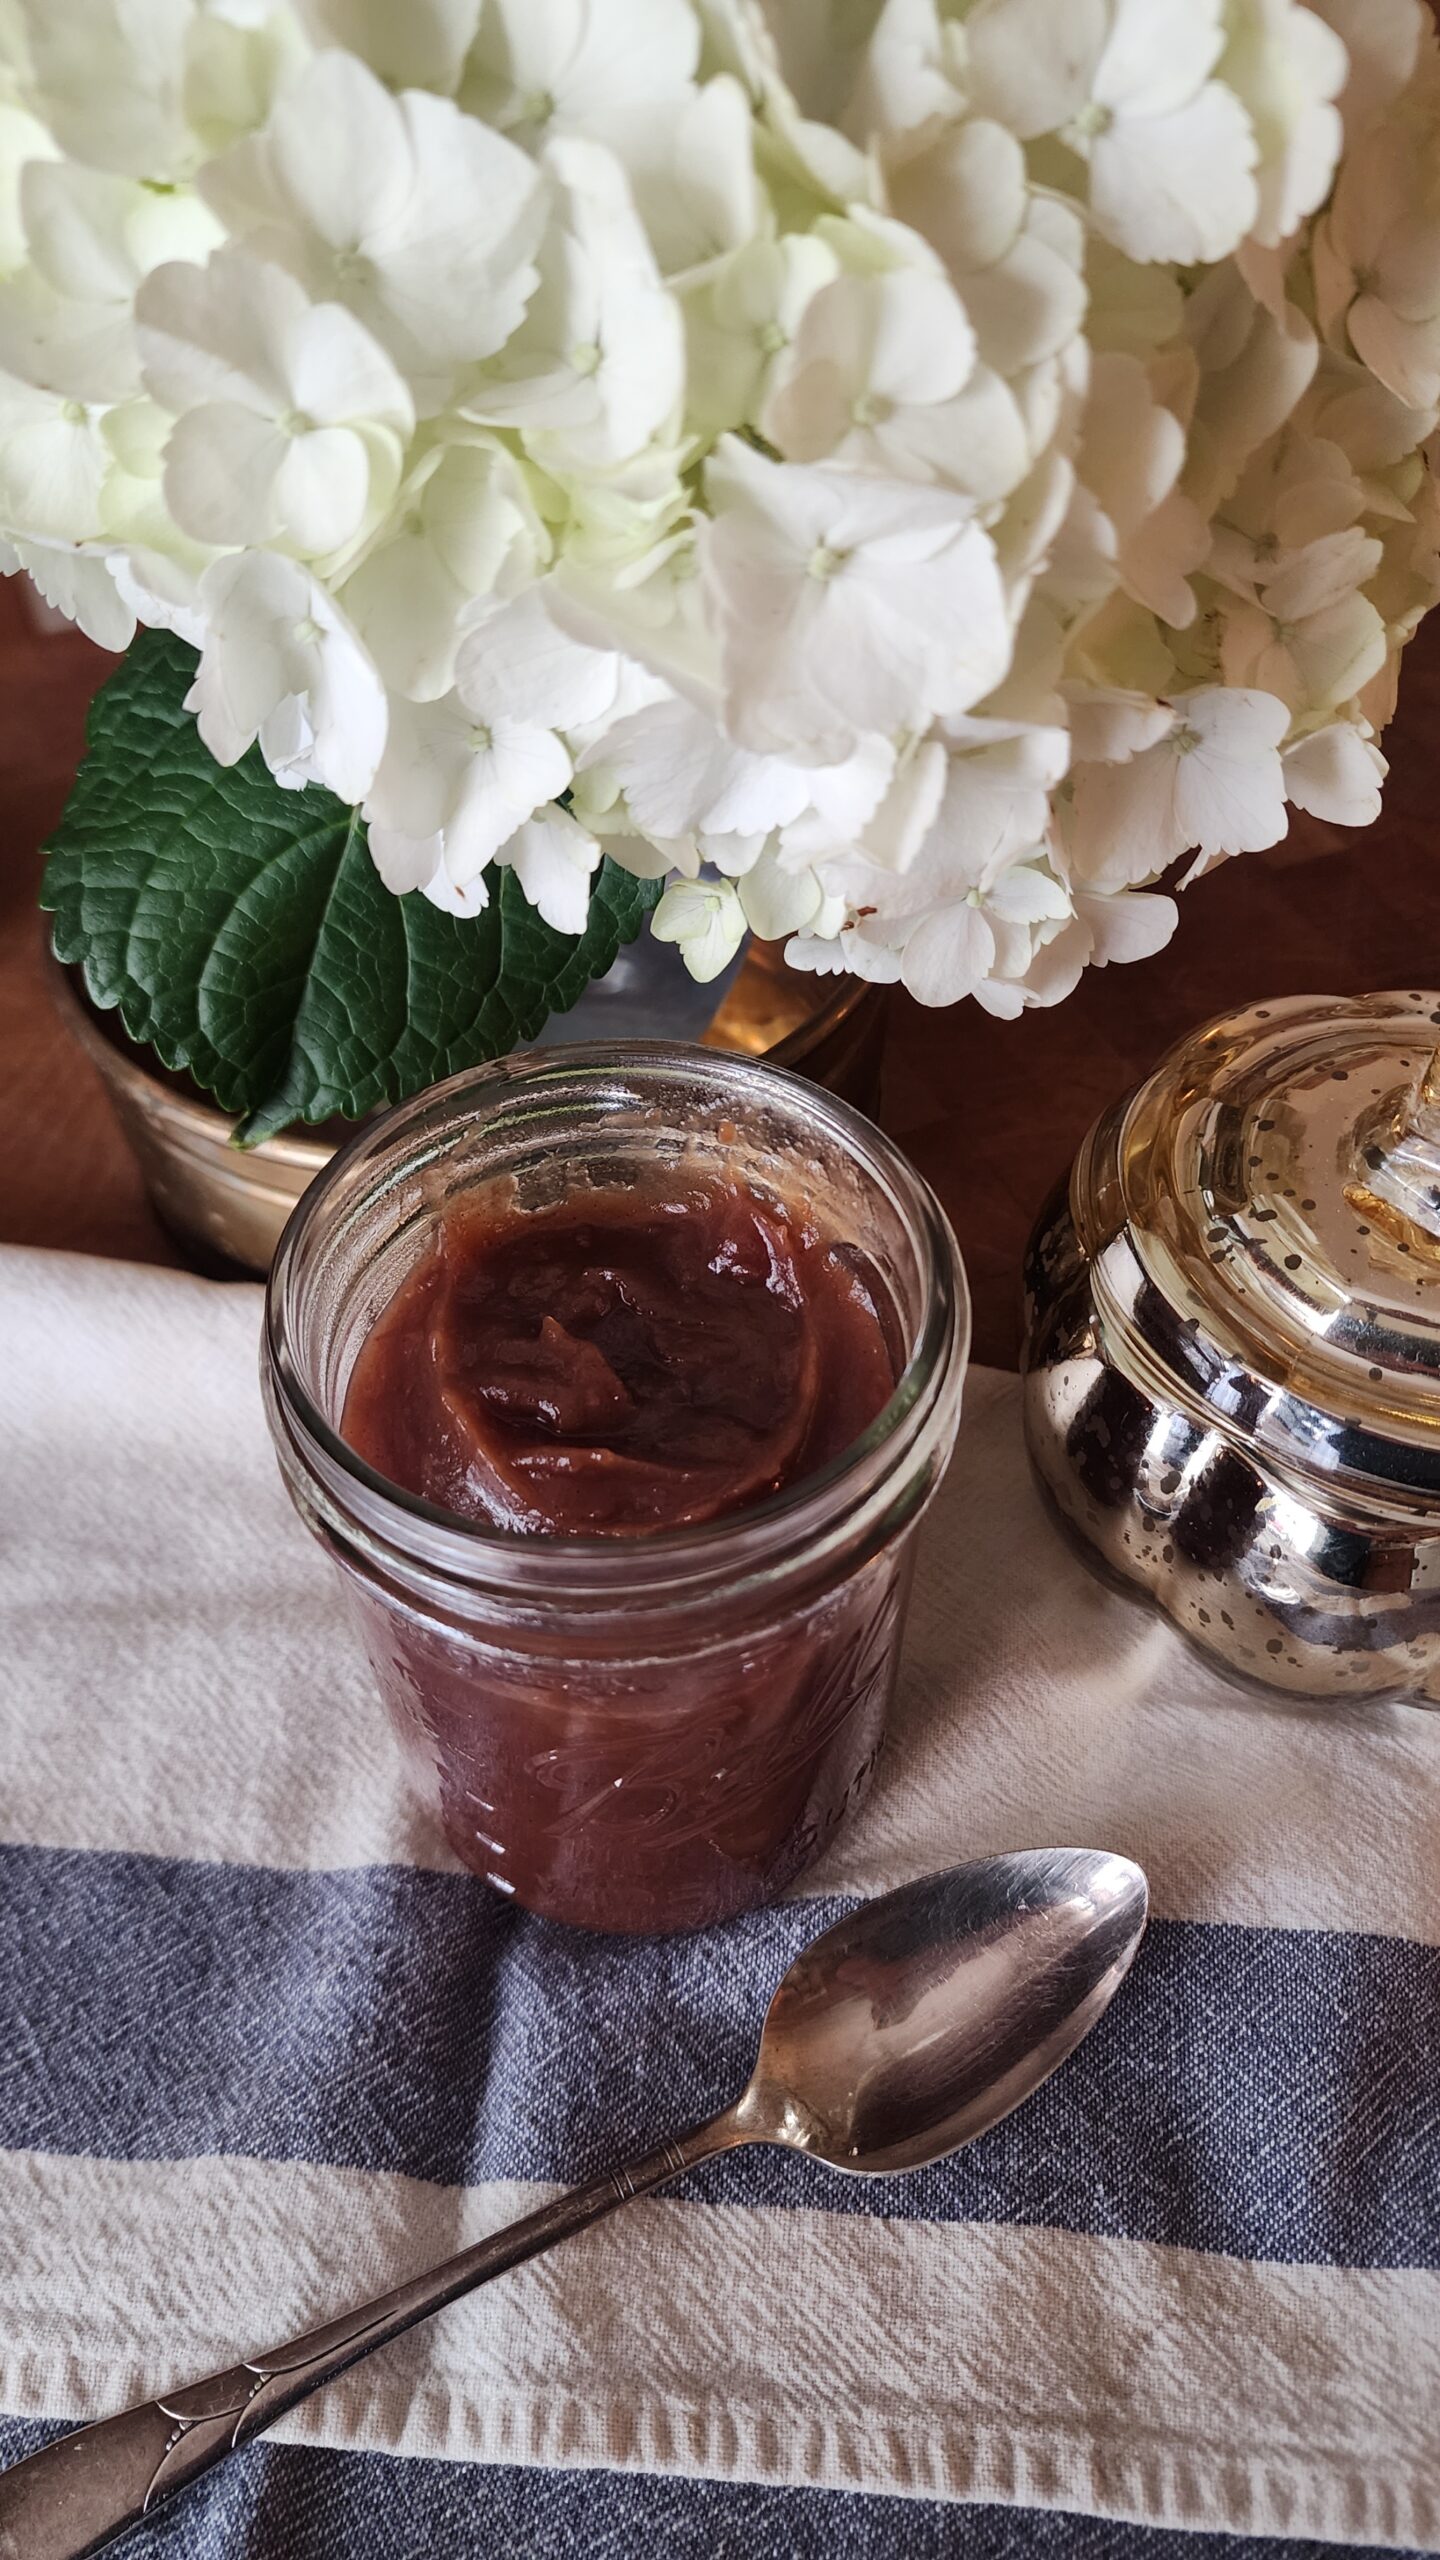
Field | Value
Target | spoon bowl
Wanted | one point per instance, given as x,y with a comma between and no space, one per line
923,2018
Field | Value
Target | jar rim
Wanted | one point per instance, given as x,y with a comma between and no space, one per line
414,1532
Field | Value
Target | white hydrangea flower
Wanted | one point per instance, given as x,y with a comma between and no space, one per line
768,50
1130,309
839,952
1000,774
781,899
454,779
135,517
1376,255
598,367
1213,785
68,320
682,776
466,527
874,377
966,908
1127,85
516,662
160,591
911,472
1104,928
292,421
542,68
424,223
984,942
1313,642
460,777
554,860
1296,509
54,462
552,857
1289,67
706,920
847,603
80,584
1017,255
1127,505
882,375
650,857
653,608
958,925
1335,773
817,50
241,57
1111,723
741,319
111,78
151,88
910,74
1407,582
1256,365
695,179
626,535
281,664
888,837
1376,432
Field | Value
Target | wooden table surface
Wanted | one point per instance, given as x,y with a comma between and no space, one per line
990,1111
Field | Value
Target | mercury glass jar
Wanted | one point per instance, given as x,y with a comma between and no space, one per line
1232,1352
652,1732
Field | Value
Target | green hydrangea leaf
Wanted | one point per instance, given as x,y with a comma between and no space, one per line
244,934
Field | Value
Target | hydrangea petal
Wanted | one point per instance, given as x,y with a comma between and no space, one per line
1335,773
420,46
1157,54
707,921
1031,62
517,664
1179,186
554,860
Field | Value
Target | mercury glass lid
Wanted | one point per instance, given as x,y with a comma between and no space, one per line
1264,1225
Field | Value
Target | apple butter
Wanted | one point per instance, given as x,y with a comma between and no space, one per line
623,1363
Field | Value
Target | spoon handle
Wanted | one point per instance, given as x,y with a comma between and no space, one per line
76,2495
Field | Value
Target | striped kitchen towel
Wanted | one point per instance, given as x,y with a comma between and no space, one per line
262,2050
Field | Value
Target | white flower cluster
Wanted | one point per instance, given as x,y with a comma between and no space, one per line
906,470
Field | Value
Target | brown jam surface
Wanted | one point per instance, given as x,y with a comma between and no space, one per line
629,1361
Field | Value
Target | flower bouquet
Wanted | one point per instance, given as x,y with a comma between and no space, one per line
896,479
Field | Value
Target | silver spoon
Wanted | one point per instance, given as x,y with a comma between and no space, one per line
901,2033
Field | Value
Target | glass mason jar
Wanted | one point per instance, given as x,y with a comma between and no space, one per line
640,1733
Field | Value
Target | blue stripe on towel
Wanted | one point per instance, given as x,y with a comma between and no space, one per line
285,2502
1284,2081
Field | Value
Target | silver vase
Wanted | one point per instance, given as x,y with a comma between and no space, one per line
227,1205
